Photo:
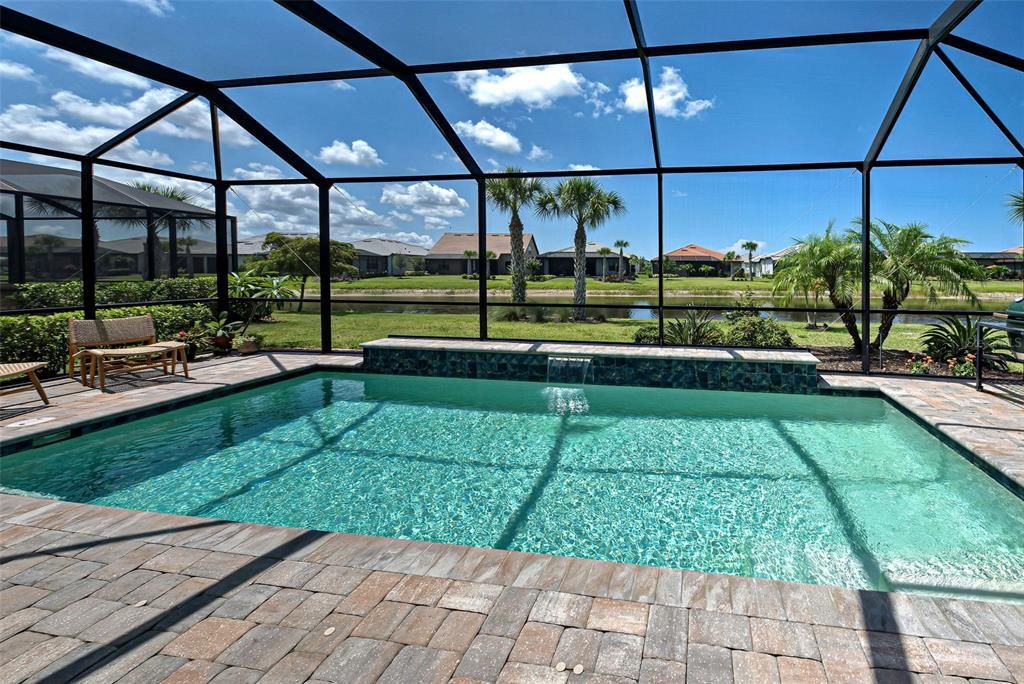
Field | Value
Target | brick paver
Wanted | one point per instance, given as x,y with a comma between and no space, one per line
99,594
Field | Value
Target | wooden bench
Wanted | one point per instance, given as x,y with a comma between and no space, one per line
119,344
9,370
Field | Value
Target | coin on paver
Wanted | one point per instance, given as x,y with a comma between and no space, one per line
329,631
578,669
560,667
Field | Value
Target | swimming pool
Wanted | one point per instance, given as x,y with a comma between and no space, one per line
821,489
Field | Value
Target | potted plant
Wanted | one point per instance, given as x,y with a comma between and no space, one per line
219,333
247,343
194,339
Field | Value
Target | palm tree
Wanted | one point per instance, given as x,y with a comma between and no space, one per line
470,255
904,256
187,242
485,264
511,195
832,261
732,257
750,246
622,245
47,244
1016,205
604,252
588,204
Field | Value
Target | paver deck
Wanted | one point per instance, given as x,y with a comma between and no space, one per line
102,594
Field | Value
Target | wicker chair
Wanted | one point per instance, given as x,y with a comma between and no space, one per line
10,370
101,346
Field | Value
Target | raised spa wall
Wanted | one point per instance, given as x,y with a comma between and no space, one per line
747,370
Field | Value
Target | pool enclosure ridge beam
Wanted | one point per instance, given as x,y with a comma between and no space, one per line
819,40
143,124
645,65
979,99
985,52
330,24
938,31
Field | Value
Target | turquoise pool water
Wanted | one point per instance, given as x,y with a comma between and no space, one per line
831,490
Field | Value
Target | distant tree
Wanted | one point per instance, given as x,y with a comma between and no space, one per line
589,205
604,252
706,270
470,255
1016,204
46,244
485,266
750,246
511,195
622,245
532,266
299,256
731,258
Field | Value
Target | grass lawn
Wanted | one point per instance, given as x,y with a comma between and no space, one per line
641,286
295,330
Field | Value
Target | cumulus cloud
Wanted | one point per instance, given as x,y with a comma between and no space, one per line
489,135
191,122
436,205
295,208
359,153
35,125
671,96
342,85
160,8
95,70
583,167
536,87
16,71
537,152
738,246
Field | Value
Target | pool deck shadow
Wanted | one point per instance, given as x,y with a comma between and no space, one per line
98,594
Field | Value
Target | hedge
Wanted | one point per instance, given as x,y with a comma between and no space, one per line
46,295
45,337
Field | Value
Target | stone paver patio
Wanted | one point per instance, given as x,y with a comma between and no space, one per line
100,594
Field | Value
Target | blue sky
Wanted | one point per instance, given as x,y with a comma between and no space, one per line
793,105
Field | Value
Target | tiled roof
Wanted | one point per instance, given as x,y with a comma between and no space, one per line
455,244
696,252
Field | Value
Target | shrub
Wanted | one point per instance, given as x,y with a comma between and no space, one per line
69,293
45,337
695,328
647,334
754,331
954,338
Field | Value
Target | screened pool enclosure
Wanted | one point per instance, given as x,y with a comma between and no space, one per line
930,121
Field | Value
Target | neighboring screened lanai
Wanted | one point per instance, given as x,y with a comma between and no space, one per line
163,140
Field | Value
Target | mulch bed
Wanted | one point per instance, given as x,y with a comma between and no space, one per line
893,361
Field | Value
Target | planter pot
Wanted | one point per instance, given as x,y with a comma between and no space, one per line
248,348
221,346
190,352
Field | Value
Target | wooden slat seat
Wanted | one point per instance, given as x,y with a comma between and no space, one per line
8,370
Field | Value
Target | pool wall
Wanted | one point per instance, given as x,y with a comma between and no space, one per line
783,371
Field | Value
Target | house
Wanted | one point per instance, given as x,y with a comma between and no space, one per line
1010,258
382,256
693,257
560,262
764,264
448,255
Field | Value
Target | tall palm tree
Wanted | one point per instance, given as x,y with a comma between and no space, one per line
750,246
731,257
47,244
485,264
622,245
182,224
511,195
833,261
904,256
604,252
470,255
588,204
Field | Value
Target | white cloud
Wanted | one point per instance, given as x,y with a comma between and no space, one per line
160,8
16,71
295,208
536,87
342,85
360,153
95,70
538,152
435,204
191,122
400,215
436,222
584,167
671,96
738,247
489,135
35,125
